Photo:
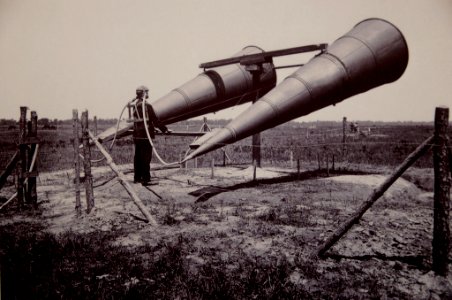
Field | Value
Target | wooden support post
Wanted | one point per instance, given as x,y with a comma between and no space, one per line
75,126
298,168
254,170
22,155
344,128
256,148
224,158
95,125
212,166
373,197
327,165
31,187
332,167
123,181
271,155
87,163
441,233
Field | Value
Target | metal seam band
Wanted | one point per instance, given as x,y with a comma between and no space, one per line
187,100
274,107
365,44
296,76
217,82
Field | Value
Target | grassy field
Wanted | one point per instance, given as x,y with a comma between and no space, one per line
248,243
386,144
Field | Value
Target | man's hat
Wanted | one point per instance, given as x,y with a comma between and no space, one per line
142,88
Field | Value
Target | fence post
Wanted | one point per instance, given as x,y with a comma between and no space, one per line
31,188
224,158
95,125
327,165
254,170
87,163
22,155
441,233
344,127
212,165
298,168
75,126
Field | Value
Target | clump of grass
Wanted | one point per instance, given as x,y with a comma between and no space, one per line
38,265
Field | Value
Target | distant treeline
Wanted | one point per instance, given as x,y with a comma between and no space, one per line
222,122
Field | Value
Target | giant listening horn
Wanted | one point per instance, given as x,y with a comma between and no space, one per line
373,53
215,89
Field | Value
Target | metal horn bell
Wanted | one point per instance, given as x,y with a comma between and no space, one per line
215,89
373,53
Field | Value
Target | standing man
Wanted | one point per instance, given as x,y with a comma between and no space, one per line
143,147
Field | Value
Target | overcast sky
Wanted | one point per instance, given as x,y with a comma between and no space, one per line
91,54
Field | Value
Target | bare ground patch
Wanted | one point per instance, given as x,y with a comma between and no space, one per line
269,227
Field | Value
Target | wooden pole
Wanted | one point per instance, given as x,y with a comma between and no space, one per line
441,233
298,168
95,125
212,166
254,170
374,196
224,158
123,181
257,149
31,187
87,163
327,165
22,155
344,128
75,126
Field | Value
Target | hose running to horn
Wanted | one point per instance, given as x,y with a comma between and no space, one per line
144,103
114,137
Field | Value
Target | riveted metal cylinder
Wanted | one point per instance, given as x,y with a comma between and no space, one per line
213,90
373,53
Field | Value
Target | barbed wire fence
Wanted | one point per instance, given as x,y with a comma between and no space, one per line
280,147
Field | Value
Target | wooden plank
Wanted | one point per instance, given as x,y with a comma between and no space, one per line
9,168
262,57
124,182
